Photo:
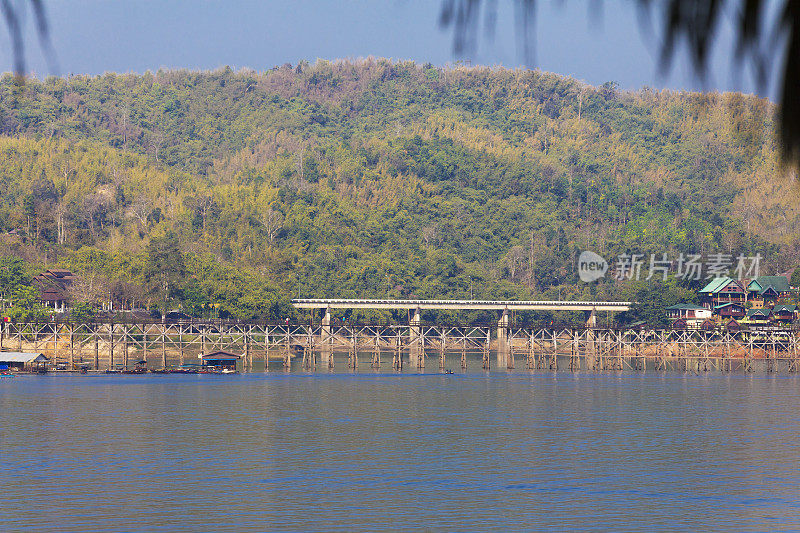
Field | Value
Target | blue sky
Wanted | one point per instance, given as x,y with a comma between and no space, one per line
94,36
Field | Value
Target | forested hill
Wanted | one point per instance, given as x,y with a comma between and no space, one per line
376,179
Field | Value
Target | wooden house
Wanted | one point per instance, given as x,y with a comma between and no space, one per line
732,325
708,325
32,362
764,291
721,291
784,314
726,311
219,361
54,287
679,323
758,316
54,297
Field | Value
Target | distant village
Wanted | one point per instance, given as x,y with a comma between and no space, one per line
731,304
728,303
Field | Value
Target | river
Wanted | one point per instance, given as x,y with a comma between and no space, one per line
367,451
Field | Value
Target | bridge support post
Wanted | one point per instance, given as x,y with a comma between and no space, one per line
95,335
111,345
325,345
416,353
590,347
591,318
502,341
397,360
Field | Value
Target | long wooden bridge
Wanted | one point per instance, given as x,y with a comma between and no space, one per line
418,346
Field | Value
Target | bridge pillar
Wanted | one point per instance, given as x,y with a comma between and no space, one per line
591,318
325,344
416,353
503,347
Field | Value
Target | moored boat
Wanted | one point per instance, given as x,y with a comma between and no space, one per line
186,368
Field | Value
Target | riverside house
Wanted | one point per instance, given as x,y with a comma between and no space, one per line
730,310
784,314
689,316
219,361
31,362
54,287
765,291
758,316
721,291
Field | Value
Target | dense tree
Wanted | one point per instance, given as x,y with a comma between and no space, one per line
26,306
13,276
378,179
164,269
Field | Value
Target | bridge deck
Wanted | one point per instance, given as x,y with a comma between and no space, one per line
492,305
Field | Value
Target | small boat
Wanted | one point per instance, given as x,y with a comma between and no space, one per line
6,374
139,367
213,370
186,368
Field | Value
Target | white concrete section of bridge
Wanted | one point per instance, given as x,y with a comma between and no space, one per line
486,305
326,352
416,352
589,309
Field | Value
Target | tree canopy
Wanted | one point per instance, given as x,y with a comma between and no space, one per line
228,193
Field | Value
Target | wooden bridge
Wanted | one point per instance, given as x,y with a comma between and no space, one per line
314,346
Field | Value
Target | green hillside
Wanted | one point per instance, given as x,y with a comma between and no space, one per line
377,179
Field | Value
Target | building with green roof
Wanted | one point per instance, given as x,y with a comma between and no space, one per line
729,310
765,290
758,316
784,313
722,291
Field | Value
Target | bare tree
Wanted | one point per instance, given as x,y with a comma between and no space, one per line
60,212
273,222
204,206
514,260
94,210
125,295
429,234
155,142
89,288
141,210
299,163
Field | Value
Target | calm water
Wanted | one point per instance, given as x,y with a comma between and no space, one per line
366,452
